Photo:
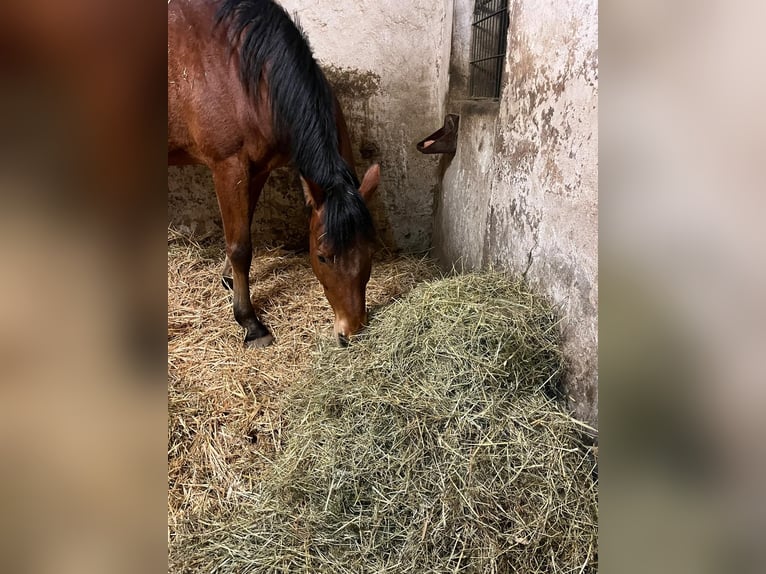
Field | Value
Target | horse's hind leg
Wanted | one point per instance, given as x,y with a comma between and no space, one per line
233,188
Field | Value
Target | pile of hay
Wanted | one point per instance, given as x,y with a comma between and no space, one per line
433,444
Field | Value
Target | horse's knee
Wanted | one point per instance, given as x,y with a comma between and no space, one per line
240,253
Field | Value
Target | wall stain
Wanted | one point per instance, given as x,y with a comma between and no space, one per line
352,83
523,154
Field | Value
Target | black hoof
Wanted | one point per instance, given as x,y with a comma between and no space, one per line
228,282
259,342
257,336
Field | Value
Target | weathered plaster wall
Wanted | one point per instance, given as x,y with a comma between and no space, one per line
388,63
521,191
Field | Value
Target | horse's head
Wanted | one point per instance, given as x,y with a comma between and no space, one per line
343,274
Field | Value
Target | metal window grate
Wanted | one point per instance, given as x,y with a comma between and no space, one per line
488,42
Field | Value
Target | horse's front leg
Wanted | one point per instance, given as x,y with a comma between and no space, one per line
237,202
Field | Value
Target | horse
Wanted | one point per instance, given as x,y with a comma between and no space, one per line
245,96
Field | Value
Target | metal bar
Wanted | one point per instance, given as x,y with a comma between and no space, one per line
499,63
488,51
493,46
480,20
471,87
501,48
495,34
480,52
486,74
487,58
489,40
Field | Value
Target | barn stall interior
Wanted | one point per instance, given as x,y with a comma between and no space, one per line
516,191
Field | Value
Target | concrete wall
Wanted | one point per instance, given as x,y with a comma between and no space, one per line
521,191
388,63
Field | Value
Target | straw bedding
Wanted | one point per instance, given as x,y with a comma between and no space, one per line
432,444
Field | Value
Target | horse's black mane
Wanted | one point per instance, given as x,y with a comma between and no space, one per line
303,109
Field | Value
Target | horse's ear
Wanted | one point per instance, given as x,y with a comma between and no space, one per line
370,182
311,201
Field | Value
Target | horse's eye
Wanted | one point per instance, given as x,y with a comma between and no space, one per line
322,258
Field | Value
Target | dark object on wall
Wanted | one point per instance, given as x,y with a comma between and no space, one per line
443,140
489,31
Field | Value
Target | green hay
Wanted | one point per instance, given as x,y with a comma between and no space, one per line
432,444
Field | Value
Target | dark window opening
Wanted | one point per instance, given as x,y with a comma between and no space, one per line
488,42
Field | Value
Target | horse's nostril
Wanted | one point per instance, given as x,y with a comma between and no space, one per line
343,340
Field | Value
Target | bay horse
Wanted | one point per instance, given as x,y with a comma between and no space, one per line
245,96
